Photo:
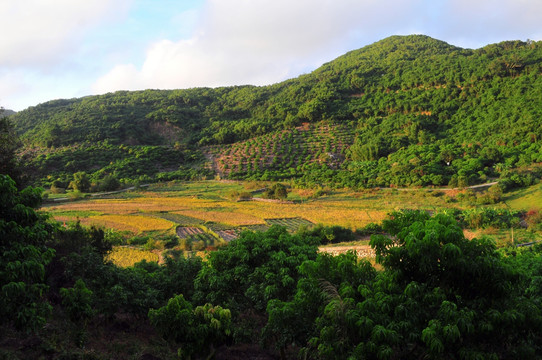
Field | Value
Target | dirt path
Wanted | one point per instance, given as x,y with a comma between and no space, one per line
361,250
448,189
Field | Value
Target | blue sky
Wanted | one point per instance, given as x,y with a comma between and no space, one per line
71,48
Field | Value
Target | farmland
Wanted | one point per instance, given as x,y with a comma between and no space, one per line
202,215
163,207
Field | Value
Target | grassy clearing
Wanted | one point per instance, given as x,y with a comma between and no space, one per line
525,199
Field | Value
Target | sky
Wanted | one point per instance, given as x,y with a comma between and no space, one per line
53,49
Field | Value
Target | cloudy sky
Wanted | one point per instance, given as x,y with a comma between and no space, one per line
51,49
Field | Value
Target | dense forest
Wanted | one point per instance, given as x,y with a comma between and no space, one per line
417,111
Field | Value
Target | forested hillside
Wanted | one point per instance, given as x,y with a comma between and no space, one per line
417,111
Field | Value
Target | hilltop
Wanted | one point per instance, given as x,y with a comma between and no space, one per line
404,111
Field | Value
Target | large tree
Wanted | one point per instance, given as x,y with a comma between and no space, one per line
23,256
8,145
439,296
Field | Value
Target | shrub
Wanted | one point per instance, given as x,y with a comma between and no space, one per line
277,191
57,190
533,218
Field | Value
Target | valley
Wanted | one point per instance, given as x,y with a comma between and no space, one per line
204,215
386,205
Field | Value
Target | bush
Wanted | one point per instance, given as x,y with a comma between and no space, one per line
171,242
533,218
245,195
277,191
369,229
197,331
76,195
329,234
57,190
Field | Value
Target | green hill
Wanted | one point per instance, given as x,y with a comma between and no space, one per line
404,111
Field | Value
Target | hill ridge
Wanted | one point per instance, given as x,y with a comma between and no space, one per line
402,97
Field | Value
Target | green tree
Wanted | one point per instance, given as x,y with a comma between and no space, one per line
24,255
77,302
361,151
256,267
109,183
327,279
9,143
80,182
197,331
439,296
277,191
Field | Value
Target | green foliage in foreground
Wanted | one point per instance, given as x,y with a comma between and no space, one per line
23,257
437,295
197,331
253,269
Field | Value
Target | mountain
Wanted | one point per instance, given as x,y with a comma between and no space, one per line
416,110
7,112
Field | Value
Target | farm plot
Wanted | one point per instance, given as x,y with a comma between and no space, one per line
292,224
132,223
196,237
126,256
185,232
228,235
180,219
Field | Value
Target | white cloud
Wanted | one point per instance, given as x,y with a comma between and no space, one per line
59,48
265,41
477,23
41,33
256,42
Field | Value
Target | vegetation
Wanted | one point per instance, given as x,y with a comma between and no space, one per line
437,294
24,257
404,111
187,271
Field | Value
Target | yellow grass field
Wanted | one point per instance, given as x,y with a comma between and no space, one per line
208,202
132,223
127,256
190,203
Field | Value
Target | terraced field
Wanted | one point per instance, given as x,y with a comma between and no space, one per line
228,235
186,232
292,224
285,150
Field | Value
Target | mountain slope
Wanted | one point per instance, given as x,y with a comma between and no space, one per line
400,97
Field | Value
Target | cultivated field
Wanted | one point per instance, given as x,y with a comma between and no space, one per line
202,215
163,207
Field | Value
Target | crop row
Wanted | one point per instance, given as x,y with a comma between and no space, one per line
292,224
288,149
228,235
185,232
